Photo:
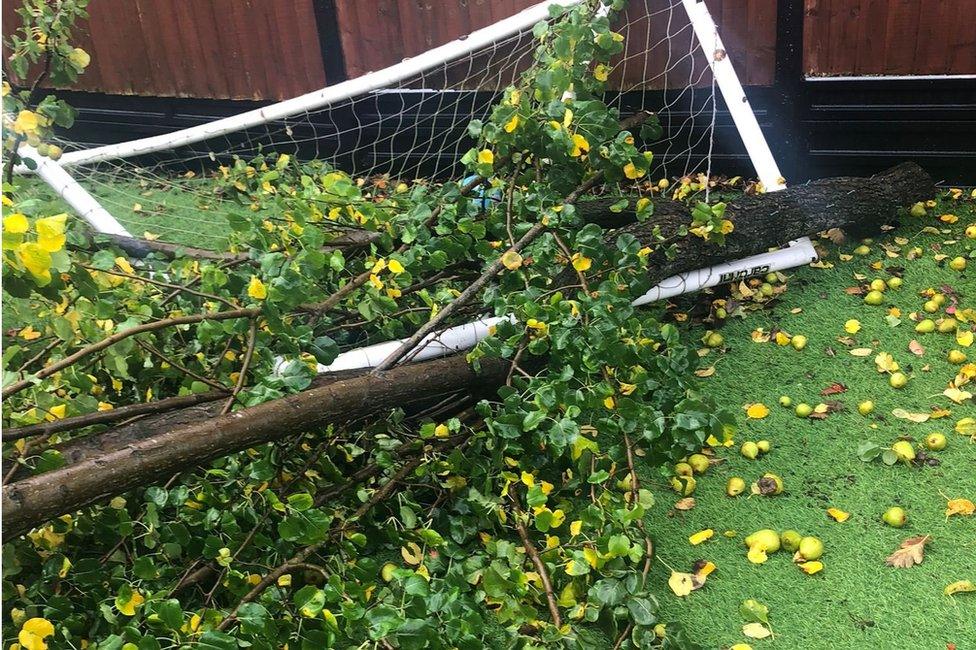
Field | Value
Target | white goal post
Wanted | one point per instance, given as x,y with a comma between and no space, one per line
462,337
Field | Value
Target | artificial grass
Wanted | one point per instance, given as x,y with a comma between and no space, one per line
856,601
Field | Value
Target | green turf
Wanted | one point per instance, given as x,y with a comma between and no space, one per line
181,211
856,601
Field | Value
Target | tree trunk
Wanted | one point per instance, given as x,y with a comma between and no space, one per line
32,501
141,454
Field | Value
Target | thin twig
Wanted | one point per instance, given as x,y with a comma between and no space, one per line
242,376
109,341
540,566
186,371
160,283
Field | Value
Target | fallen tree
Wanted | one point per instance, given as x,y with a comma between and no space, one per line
141,455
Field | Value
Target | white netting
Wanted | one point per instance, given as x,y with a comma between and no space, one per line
417,127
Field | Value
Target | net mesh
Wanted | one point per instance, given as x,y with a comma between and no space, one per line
417,128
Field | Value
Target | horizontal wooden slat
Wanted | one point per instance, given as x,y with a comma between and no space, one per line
217,49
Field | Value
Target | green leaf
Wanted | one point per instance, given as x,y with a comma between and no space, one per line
752,610
170,612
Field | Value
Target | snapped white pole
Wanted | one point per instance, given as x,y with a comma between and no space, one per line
319,98
73,194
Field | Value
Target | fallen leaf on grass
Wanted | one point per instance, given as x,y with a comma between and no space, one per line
838,515
756,630
918,418
705,372
956,395
757,411
862,352
963,507
959,587
685,504
683,584
852,326
834,389
916,348
965,338
910,553
810,568
885,362
701,536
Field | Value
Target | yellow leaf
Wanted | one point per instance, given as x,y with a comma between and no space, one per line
580,145
701,536
741,646
861,352
124,265
609,403
591,556
512,124
441,431
486,157
726,227
58,411
33,633
681,584
966,427
706,570
633,172
705,372
26,122
576,527
963,507
29,333
964,337
15,224
756,630
581,263
396,268
105,406
917,418
956,395
959,586
50,232
838,514
256,289
853,326
601,72
528,479
885,362
285,580
782,338
757,411
128,607
810,568
511,260
36,260
411,553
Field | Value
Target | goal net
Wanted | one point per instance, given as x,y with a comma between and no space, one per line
410,122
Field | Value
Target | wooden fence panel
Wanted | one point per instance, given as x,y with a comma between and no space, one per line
890,37
218,49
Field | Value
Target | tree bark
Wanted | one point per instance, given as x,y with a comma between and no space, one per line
761,222
32,501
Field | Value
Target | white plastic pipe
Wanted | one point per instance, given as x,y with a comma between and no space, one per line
438,344
319,98
73,194
785,258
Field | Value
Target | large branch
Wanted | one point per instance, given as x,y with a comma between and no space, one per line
761,222
34,500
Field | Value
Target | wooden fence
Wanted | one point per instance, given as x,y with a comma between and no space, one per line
275,49
889,37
